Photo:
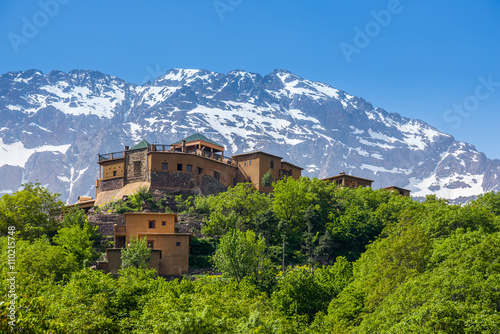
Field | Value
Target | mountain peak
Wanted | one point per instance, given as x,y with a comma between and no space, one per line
59,122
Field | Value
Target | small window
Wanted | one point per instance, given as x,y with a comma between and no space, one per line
244,163
151,244
152,224
164,165
234,182
114,173
249,162
137,167
271,164
217,176
189,168
179,167
200,170
163,223
177,244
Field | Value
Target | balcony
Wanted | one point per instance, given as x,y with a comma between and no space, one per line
110,156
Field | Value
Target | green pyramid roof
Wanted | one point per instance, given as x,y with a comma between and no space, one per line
142,144
195,137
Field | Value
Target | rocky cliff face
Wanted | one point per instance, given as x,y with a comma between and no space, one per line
52,126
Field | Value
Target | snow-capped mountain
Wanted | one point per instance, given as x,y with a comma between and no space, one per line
53,126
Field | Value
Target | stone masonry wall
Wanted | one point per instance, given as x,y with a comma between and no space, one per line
178,180
130,158
106,221
210,186
113,184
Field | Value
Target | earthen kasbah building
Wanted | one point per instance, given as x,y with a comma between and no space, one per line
193,165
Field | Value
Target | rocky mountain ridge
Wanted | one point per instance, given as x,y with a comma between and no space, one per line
52,126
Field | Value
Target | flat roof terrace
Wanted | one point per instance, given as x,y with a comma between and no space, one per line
164,148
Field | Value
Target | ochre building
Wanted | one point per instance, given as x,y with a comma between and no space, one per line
194,165
169,250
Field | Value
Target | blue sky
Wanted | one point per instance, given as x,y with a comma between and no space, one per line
438,61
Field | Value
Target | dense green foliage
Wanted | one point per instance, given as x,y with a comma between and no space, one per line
32,211
240,254
363,261
137,254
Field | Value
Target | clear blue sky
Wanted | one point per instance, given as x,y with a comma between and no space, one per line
420,60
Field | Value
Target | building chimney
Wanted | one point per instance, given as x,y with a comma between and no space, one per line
126,148
342,173
183,146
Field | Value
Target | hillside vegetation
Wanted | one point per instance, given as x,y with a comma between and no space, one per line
309,258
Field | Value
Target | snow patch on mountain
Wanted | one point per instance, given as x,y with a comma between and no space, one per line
16,154
309,123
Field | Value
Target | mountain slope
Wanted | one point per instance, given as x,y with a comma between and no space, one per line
53,126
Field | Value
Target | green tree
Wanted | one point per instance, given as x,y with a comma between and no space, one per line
77,241
297,292
240,254
291,200
32,211
490,201
85,304
267,179
77,217
38,265
136,254
235,208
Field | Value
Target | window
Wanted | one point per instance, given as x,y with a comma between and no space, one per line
164,166
200,170
249,162
217,176
271,164
151,223
177,244
234,182
151,244
163,223
189,168
244,163
179,167
137,167
114,173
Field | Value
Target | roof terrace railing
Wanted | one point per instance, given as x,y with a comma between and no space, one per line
166,148
110,156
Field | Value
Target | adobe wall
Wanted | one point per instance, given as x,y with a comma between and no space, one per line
112,166
114,256
296,172
175,252
138,223
255,166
